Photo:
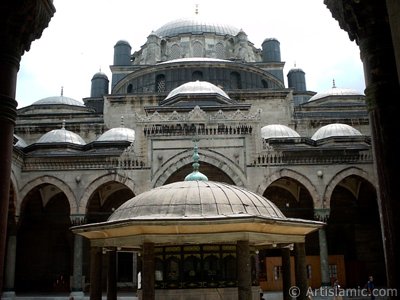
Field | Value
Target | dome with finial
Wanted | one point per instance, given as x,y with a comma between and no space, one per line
61,136
277,131
57,100
335,91
196,175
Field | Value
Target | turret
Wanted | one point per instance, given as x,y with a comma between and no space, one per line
271,53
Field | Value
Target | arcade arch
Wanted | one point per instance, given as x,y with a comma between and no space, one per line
354,230
44,241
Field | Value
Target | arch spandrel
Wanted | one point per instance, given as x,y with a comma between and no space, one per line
341,176
229,167
292,175
60,184
98,182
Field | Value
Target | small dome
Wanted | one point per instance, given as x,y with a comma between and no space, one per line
61,136
122,42
58,100
197,87
118,134
196,200
293,70
277,131
195,26
335,91
100,75
336,129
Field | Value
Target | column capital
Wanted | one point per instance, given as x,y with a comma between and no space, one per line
23,22
77,219
322,214
358,18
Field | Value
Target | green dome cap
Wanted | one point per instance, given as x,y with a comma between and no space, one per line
196,175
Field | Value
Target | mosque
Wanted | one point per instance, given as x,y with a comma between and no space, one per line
121,157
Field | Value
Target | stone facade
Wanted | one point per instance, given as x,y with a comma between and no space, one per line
62,181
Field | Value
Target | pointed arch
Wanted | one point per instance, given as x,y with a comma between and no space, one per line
213,158
64,187
95,184
302,179
342,175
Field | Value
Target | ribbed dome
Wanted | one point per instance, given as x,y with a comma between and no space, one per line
197,87
118,134
61,136
335,91
196,200
58,100
336,129
195,26
277,131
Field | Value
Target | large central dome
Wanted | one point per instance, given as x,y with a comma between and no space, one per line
195,26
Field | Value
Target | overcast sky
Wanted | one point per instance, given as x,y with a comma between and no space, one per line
81,36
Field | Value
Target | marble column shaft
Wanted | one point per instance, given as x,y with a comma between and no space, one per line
243,270
148,275
96,258
286,273
301,270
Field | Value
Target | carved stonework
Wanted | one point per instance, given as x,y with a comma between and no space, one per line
358,18
77,219
22,22
322,214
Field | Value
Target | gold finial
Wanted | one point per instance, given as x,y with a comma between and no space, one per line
122,121
63,124
62,91
196,11
333,84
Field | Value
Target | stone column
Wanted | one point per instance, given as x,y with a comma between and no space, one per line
9,289
76,282
286,273
112,275
243,270
21,22
77,279
322,215
148,272
369,24
96,258
300,270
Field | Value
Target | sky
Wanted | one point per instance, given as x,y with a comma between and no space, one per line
80,39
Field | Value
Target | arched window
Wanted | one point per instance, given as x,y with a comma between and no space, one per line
197,75
175,51
197,49
229,269
219,51
129,88
264,84
236,82
160,83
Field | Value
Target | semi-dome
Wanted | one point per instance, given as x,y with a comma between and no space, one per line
61,136
118,134
58,100
198,200
336,129
335,91
197,87
277,131
195,26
